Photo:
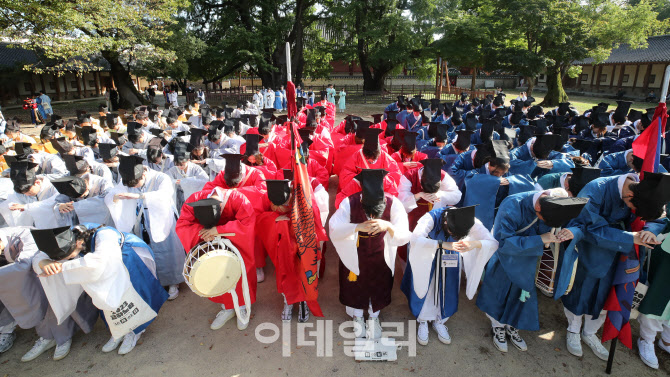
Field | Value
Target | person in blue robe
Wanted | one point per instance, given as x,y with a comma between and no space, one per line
607,224
537,157
445,242
393,106
462,104
623,144
278,100
522,227
434,145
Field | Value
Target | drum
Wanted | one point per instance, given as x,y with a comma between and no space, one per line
548,269
213,268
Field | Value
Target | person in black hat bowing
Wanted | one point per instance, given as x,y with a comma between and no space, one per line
366,231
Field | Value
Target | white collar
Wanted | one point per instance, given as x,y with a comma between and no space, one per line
529,144
555,192
625,155
562,179
622,179
487,169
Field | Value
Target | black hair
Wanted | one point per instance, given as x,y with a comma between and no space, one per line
232,182
574,187
373,155
134,138
259,160
23,188
153,153
131,183
375,211
82,233
580,161
648,208
498,162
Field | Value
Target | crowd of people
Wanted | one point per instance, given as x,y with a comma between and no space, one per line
101,212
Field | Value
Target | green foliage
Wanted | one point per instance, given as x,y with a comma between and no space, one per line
69,34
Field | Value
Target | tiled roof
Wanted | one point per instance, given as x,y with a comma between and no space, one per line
657,51
12,56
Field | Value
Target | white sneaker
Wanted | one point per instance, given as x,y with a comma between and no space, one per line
129,342
242,326
40,346
6,341
260,275
221,318
574,343
359,327
422,333
647,353
173,292
596,346
663,346
111,344
499,338
62,350
374,330
303,312
287,313
442,332
516,339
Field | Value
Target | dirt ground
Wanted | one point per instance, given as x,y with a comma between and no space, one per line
180,342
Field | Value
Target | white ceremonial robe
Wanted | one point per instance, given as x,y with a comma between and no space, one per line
33,204
449,194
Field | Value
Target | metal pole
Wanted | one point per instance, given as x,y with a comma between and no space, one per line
288,62
666,81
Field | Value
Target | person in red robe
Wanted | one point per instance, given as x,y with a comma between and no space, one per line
408,157
322,148
371,156
279,243
351,143
237,175
208,213
254,157
314,169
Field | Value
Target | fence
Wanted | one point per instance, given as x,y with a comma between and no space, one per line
355,94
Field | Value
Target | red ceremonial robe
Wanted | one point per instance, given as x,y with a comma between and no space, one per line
278,242
358,162
237,216
418,156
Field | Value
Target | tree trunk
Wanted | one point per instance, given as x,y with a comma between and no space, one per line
531,85
474,79
555,92
374,83
182,85
128,95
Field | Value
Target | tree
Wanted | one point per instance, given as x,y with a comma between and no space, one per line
382,35
550,35
251,35
69,35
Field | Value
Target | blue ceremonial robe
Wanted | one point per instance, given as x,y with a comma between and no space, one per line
521,162
143,281
605,224
485,190
391,107
277,103
447,292
614,164
459,167
512,268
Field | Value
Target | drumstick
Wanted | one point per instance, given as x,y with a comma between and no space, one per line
226,234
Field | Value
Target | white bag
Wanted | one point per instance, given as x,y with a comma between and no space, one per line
131,314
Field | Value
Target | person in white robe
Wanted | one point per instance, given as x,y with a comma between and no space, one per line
23,301
116,270
143,205
31,191
186,176
366,231
445,242
80,200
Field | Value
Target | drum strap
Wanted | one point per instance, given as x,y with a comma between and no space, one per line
526,227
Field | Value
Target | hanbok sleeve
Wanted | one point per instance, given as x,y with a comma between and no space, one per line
449,193
161,208
421,254
343,234
475,260
405,194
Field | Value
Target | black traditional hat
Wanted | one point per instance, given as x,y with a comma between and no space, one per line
408,142
516,117
180,151
583,145
557,212
432,172
57,243
130,167
372,185
390,115
196,137
580,177
75,164
601,120
391,125
372,139
377,118
564,132
361,128
534,111
88,135
563,108
456,117
23,149
528,101
463,141
72,187
133,128
22,172
107,151
499,149
634,115
460,220
441,133
207,212
13,126
622,108
434,104
48,131
279,191
233,164
471,122
157,132
544,144
486,131
540,126
252,141
654,190
581,123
